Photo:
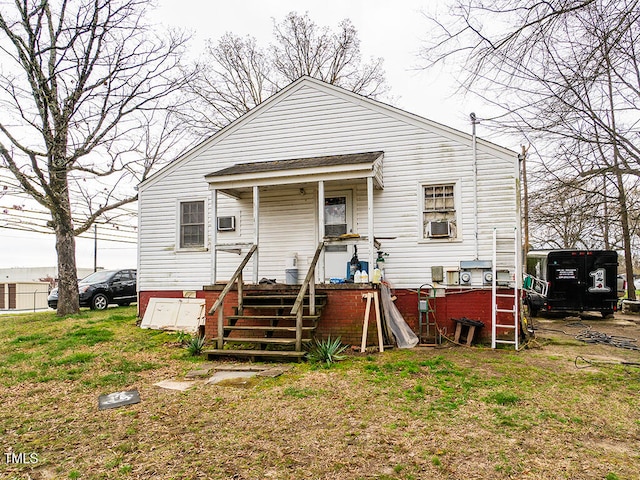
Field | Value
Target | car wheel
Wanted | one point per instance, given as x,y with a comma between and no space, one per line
99,302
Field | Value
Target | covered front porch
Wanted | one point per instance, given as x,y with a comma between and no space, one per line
286,208
305,218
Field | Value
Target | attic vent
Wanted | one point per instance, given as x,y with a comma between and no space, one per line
439,229
226,224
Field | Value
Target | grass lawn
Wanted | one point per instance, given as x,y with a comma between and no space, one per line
447,413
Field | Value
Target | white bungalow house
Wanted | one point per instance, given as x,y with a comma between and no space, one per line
316,165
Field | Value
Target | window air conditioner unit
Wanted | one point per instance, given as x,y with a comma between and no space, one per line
226,224
439,229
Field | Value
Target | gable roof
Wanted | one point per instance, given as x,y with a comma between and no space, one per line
306,81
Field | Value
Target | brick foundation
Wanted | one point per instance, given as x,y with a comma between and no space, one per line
344,313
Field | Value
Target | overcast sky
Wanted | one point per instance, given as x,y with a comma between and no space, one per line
391,30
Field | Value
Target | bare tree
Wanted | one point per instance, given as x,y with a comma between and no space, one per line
237,74
564,73
302,48
81,82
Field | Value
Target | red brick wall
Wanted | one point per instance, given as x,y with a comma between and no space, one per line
458,303
211,322
343,315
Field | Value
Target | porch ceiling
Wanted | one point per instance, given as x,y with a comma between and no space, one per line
232,180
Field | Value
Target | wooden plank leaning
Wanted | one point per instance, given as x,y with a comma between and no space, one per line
365,325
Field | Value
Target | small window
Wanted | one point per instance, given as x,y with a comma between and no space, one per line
439,211
335,216
192,224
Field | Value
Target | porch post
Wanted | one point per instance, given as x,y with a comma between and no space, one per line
214,235
256,231
321,266
370,224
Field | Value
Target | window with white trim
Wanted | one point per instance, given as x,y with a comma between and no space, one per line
439,211
192,224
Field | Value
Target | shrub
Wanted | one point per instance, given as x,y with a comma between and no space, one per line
195,345
326,351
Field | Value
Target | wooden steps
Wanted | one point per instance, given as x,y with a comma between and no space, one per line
265,327
255,354
264,340
271,317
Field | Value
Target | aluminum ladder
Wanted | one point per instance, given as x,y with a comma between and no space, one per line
509,318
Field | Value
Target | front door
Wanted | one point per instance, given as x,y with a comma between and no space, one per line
338,220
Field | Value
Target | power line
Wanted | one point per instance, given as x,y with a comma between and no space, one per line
35,220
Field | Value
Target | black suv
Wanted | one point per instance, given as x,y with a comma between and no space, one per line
103,287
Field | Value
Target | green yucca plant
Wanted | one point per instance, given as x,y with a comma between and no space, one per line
326,351
195,345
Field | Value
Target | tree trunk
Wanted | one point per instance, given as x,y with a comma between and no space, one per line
68,302
626,237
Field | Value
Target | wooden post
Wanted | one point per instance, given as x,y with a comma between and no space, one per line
321,232
240,294
299,329
365,324
378,321
214,235
312,294
256,232
370,220
221,325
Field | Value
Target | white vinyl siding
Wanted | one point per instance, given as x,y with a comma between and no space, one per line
316,120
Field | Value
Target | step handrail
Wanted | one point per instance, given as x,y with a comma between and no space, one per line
309,283
237,276
234,277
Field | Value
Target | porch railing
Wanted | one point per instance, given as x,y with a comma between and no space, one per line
219,303
309,283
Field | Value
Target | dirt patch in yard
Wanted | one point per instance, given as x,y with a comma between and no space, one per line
589,339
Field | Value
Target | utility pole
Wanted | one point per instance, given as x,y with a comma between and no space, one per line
95,247
525,191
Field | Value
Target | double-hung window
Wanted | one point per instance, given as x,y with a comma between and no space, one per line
192,224
439,211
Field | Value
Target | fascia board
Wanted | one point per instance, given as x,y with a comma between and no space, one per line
288,178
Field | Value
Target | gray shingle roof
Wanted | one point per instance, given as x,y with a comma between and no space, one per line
297,163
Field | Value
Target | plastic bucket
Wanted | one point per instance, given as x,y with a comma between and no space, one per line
291,276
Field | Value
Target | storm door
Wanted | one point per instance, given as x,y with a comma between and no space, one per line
338,220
